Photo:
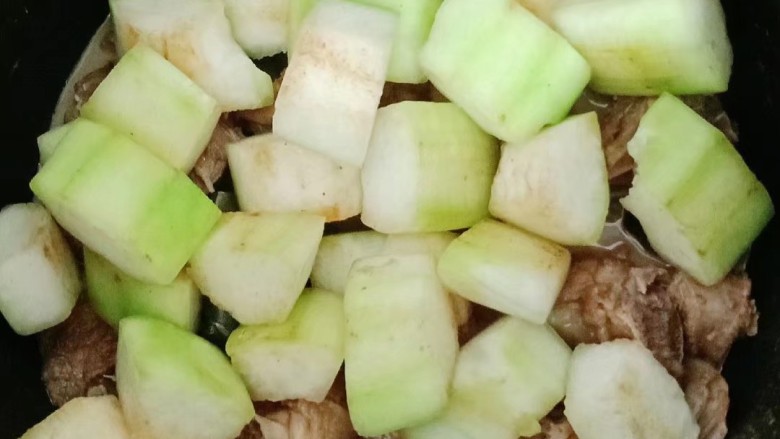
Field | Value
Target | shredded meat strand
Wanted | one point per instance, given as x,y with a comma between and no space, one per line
394,93
713,317
79,356
607,297
213,162
707,394
84,88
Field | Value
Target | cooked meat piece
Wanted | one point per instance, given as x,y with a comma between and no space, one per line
480,318
251,431
260,120
713,317
394,93
301,419
212,163
607,297
78,356
84,88
707,394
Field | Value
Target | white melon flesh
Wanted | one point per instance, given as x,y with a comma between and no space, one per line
331,89
259,26
173,384
699,204
429,169
195,36
48,141
298,10
271,174
296,359
39,282
415,18
401,343
97,417
149,100
506,269
506,68
555,185
255,266
618,390
124,203
506,379
115,295
645,47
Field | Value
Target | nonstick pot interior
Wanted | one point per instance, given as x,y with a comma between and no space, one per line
40,41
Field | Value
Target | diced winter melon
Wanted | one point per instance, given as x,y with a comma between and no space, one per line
48,141
331,89
115,295
259,26
555,185
541,8
255,266
618,390
175,385
271,174
645,47
337,253
97,417
195,36
698,202
415,18
298,358
39,282
149,100
124,203
506,379
504,66
401,343
429,168
506,269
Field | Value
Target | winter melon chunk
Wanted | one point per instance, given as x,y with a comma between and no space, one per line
401,343
124,203
149,100
115,295
298,358
48,141
259,26
699,204
645,47
97,417
173,384
506,68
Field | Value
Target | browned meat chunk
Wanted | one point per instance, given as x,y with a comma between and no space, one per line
78,356
301,419
258,121
713,317
606,297
707,394
212,163
84,88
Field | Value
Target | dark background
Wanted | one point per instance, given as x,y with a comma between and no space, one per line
41,40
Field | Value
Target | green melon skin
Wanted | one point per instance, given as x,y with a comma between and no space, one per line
175,385
124,203
401,343
115,295
646,47
506,68
429,168
506,379
699,204
296,359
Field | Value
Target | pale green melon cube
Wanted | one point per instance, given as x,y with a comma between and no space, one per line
115,295
401,343
149,100
259,26
506,269
255,265
296,359
428,169
48,141
173,384
699,204
124,203
97,417
506,68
